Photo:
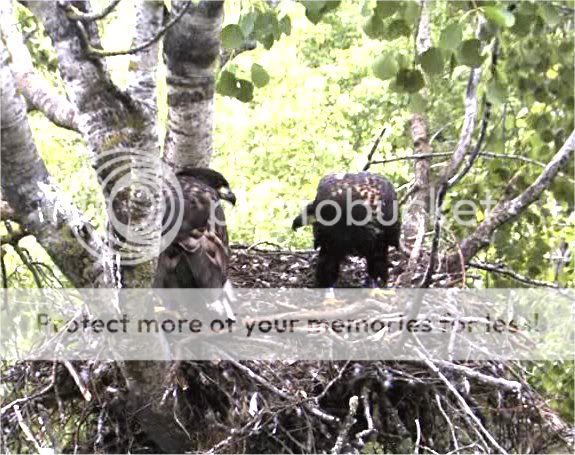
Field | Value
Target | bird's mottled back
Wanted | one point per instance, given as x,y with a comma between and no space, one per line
353,214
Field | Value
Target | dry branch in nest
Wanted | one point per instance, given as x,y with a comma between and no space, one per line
284,406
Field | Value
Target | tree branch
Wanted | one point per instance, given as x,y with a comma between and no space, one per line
41,208
38,92
143,65
96,52
502,269
508,210
77,15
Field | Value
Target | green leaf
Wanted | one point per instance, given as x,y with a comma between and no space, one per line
495,143
451,36
522,25
496,92
499,16
260,77
417,103
373,27
232,37
411,13
386,9
396,29
385,67
247,22
267,28
285,25
432,61
410,81
470,53
549,14
227,84
314,9
245,92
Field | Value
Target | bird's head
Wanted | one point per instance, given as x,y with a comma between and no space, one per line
214,179
304,218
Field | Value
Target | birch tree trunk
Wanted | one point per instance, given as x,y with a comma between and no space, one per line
113,125
42,209
191,49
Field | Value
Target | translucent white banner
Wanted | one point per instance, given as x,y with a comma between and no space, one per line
287,324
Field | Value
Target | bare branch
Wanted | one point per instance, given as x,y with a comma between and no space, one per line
95,52
77,15
373,149
38,92
509,210
469,120
40,206
502,269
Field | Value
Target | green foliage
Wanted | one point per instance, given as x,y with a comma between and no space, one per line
232,37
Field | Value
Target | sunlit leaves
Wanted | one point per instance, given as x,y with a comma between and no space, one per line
549,13
432,61
259,75
450,37
373,27
396,29
232,37
229,85
470,53
315,9
385,67
499,15
496,92
417,103
386,9
409,81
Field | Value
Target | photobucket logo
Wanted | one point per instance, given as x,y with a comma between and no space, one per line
143,197
351,210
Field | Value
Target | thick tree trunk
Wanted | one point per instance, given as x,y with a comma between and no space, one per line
41,207
191,48
114,125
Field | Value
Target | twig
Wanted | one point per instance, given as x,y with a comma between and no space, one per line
446,183
314,410
23,254
75,14
448,420
461,401
332,382
418,437
23,400
347,424
373,149
506,384
76,377
94,52
26,429
502,269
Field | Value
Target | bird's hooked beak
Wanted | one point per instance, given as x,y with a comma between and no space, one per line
227,195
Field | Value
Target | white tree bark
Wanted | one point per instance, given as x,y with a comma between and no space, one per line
42,209
37,91
109,119
191,48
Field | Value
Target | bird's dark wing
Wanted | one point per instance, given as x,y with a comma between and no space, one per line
199,255
355,194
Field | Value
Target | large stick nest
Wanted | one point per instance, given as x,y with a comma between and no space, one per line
281,407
